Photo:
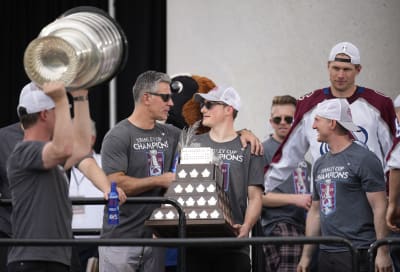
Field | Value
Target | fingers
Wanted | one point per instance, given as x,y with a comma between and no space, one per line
256,148
392,226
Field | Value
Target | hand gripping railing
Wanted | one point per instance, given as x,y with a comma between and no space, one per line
374,247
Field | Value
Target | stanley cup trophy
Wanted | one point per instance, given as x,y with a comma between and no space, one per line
83,47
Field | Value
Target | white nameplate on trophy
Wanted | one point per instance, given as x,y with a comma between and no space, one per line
196,155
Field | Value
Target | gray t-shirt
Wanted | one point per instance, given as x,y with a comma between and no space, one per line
41,207
341,182
297,183
240,170
9,137
138,153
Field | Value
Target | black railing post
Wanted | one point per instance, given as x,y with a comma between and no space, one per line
374,247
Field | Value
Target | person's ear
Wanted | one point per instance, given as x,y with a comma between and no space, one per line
358,68
43,114
334,124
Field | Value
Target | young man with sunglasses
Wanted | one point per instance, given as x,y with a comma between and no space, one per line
372,112
243,180
284,208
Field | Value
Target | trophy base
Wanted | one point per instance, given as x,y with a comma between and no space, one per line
194,228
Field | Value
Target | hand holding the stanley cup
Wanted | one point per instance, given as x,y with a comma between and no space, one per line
82,48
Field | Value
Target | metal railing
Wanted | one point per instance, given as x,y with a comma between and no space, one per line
186,242
180,242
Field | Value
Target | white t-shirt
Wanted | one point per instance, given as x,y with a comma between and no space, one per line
85,216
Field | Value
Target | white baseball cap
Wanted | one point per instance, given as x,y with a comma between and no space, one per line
348,49
227,95
32,100
396,102
337,109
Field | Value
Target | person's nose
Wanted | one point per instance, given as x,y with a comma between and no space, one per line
341,73
170,102
314,126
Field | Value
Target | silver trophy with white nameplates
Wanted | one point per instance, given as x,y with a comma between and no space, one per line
199,190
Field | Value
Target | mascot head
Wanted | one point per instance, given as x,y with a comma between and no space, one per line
185,111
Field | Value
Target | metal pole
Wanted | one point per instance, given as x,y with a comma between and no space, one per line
112,85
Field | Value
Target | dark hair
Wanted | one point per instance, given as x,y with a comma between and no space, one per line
342,130
284,100
234,114
28,120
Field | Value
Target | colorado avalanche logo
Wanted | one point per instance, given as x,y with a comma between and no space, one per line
360,136
328,199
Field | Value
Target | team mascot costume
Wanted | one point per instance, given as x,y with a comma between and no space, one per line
185,111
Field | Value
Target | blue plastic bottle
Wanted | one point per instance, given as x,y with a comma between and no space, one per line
113,205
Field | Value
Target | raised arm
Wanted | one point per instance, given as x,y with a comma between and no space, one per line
60,148
81,128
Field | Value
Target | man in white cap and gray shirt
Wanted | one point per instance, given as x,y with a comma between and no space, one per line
243,179
36,173
349,198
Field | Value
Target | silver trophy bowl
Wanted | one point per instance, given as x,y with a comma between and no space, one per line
83,47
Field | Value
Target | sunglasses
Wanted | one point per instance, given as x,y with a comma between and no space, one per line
277,120
164,96
210,104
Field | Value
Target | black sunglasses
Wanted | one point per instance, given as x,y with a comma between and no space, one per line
164,96
277,120
210,104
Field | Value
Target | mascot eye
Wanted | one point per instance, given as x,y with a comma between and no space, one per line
176,87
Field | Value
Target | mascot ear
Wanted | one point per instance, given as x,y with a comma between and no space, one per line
183,88
191,110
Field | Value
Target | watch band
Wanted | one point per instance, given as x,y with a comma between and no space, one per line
80,98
